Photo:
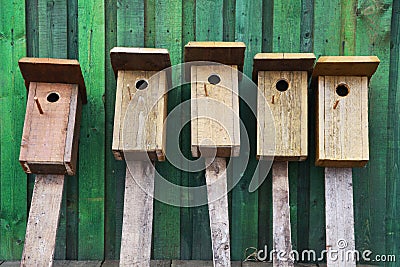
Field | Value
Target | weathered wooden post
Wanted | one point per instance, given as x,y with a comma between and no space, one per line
342,143
282,83
139,139
49,147
215,127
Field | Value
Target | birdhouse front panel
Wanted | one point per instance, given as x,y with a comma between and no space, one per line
285,92
49,144
342,132
215,110
140,111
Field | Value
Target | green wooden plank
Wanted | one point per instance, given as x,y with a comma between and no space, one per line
130,21
13,185
166,233
91,157
286,38
71,183
32,29
229,15
149,23
209,27
327,28
188,34
393,153
373,38
245,204
348,27
115,170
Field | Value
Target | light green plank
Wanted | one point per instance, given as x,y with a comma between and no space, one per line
130,23
13,182
91,156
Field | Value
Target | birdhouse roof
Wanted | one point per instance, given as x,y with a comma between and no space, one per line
134,58
283,62
346,66
52,70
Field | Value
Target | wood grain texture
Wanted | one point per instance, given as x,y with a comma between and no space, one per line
130,23
217,195
289,115
91,158
281,214
43,220
342,132
13,186
138,214
139,115
215,112
339,214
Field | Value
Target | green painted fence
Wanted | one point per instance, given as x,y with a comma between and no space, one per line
91,215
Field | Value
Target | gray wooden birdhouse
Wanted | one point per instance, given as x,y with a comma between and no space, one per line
141,102
342,113
214,96
282,103
56,92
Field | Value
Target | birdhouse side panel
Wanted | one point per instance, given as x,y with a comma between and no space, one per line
215,110
283,94
343,121
140,112
46,127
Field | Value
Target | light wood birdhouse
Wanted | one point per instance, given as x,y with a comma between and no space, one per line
214,97
56,92
342,113
282,103
141,85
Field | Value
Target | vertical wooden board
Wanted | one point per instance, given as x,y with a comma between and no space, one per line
168,34
209,20
12,102
32,28
52,18
229,18
91,158
114,170
188,34
245,204
286,38
348,27
130,23
370,183
393,153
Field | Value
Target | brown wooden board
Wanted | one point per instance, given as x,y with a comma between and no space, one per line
346,66
145,59
51,70
283,62
228,53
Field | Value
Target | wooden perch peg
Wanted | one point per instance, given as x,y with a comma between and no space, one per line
38,105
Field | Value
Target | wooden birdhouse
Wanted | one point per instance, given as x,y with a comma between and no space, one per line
214,76
141,102
282,103
342,113
56,92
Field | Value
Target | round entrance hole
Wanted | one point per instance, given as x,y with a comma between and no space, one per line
342,89
282,85
53,97
214,79
141,84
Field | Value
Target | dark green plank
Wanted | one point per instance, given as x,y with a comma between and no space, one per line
229,15
373,38
91,156
114,170
130,22
166,233
209,27
188,34
245,204
13,182
393,153
286,38
326,42
149,23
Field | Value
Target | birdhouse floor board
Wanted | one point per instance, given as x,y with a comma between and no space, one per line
217,194
138,214
43,219
281,212
339,213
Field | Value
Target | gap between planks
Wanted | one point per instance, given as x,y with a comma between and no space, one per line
138,214
43,220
